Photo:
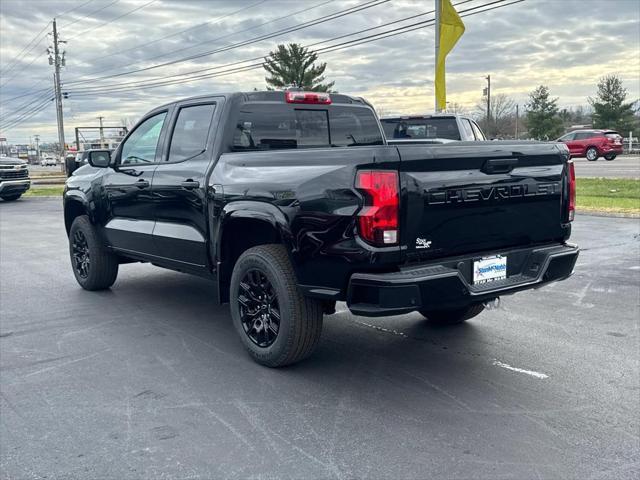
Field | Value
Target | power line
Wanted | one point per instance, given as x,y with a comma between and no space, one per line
26,94
20,55
316,21
192,76
234,33
27,114
14,62
212,22
73,9
217,38
18,110
118,88
113,19
88,14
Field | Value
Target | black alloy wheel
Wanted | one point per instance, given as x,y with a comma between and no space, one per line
81,255
259,308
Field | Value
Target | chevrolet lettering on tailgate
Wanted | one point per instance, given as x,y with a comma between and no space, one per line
480,194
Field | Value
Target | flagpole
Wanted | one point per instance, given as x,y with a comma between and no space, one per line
435,61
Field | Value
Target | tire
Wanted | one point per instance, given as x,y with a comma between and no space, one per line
453,316
610,156
11,198
591,154
94,267
289,328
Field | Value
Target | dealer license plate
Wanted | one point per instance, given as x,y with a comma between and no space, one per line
489,269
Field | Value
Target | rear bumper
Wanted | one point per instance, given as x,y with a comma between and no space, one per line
447,283
617,149
13,187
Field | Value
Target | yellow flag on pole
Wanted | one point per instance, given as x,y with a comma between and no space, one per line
451,29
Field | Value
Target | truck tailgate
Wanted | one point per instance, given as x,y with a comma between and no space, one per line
465,197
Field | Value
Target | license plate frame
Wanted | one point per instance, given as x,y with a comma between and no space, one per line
489,269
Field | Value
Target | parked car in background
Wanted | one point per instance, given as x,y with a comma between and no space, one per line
14,178
593,144
438,128
48,161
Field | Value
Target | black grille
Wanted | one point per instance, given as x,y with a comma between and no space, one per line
14,174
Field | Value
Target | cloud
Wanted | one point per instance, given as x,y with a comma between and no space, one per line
566,45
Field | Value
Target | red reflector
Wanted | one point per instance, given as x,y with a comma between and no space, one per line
572,190
378,219
308,97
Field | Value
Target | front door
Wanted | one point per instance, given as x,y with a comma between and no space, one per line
130,220
180,187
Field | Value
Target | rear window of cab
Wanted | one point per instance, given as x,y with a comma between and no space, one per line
263,126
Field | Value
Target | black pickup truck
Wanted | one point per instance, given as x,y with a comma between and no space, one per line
291,201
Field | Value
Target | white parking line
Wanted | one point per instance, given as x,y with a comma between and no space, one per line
497,363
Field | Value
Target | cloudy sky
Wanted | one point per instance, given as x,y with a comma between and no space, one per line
190,47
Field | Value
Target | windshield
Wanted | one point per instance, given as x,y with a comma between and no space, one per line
426,128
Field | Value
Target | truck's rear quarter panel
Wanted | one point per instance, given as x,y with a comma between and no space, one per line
314,190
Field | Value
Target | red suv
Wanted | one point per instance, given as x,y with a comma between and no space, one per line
593,144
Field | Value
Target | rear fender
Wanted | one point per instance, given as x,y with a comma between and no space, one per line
240,226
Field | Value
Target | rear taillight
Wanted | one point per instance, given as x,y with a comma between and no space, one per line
378,219
572,190
308,97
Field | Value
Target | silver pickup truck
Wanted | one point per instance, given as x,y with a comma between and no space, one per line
14,178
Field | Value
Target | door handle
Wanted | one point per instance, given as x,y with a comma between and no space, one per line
190,184
142,183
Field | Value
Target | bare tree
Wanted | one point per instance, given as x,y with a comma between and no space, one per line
502,120
456,108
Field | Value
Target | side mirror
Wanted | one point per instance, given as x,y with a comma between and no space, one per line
99,158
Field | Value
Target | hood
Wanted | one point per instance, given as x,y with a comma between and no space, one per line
11,161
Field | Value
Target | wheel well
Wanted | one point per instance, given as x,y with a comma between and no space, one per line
238,236
72,210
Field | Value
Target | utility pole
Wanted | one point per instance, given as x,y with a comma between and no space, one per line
435,61
488,90
37,139
517,118
57,60
101,132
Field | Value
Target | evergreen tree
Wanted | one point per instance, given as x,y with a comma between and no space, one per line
293,64
543,121
609,107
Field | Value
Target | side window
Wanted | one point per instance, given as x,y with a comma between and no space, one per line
467,130
191,132
583,135
478,133
142,144
567,138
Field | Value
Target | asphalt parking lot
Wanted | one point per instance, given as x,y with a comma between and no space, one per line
148,380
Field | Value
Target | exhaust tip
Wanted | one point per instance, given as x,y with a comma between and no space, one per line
492,304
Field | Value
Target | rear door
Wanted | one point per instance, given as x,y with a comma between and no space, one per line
569,140
580,143
180,185
466,198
